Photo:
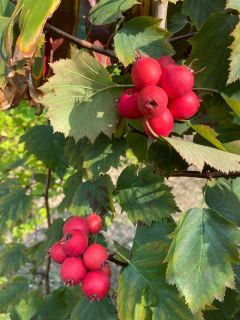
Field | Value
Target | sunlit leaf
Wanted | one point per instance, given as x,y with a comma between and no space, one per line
12,258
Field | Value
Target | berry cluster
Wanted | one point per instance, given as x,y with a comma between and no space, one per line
162,93
80,262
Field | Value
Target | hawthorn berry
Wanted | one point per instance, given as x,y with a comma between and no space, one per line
72,271
184,107
75,242
127,106
95,256
94,223
57,253
106,268
75,223
165,61
96,285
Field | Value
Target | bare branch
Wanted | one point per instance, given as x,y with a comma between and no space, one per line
202,175
161,13
120,263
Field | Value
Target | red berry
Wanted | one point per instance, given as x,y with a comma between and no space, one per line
184,107
106,268
161,125
72,271
165,61
96,285
146,72
75,223
94,223
95,256
170,66
127,106
75,242
152,101
177,81
57,253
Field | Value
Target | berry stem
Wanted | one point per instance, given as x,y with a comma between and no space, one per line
205,89
150,129
113,254
119,263
119,255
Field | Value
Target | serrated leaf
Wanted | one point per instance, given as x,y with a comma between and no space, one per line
14,206
46,146
235,56
223,200
89,107
103,154
16,287
75,152
212,50
138,144
198,155
144,34
204,245
177,23
231,94
4,186
233,4
87,310
200,10
143,282
12,258
144,196
107,11
233,147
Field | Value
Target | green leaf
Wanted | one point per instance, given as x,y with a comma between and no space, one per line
226,309
4,58
231,94
6,8
46,146
138,144
212,50
70,188
103,154
235,56
143,283
15,164
14,206
107,11
200,256
42,178
99,310
223,200
4,186
12,258
144,34
177,23
88,107
200,10
5,316
16,287
197,155
232,147
233,4
74,152
144,196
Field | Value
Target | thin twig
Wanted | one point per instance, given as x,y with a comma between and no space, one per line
202,175
120,263
184,36
32,212
49,225
137,131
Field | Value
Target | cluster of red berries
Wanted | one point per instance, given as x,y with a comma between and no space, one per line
162,93
80,262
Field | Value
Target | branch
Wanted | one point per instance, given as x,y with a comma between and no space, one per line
137,131
161,13
184,36
49,225
203,175
120,263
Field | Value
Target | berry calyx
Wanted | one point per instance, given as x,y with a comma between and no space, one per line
152,101
75,223
94,223
72,271
184,107
74,243
127,106
106,268
146,72
95,256
57,253
165,61
161,125
96,285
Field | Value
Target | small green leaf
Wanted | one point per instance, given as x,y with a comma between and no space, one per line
75,152
144,34
144,196
12,258
138,144
107,11
177,23
235,56
231,94
204,246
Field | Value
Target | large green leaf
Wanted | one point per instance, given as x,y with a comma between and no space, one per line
88,107
200,256
235,56
197,155
14,206
4,58
177,22
75,152
138,144
143,283
211,48
144,196
107,11
46,146
201,10
6,8
103,154
12,258
144,34
99,310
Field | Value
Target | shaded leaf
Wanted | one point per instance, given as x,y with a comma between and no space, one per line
75,152
204,246
138,144
177,23
233,147
235,56
6,8
231,94
15,164
4,186
144,34
42,178
3,55
12,258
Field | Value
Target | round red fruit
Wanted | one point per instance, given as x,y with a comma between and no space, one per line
72,271
161,125
94,223
184,107
165,61
75,242
127,106
170,66
75,223
106,268
57,253
177,81
95,256
96,285
152,101
146,72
